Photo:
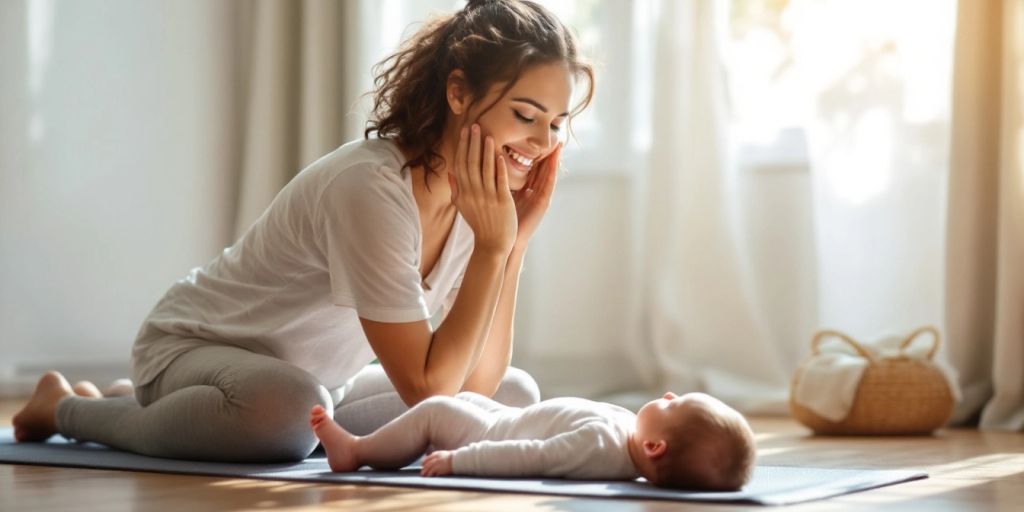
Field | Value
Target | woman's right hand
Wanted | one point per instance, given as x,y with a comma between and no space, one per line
481,193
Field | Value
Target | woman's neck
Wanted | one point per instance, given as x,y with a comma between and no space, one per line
435,203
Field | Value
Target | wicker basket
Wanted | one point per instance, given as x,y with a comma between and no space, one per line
896,395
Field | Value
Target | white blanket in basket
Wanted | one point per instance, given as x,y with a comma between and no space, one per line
828,383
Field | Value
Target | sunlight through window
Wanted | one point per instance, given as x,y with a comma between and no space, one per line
859,80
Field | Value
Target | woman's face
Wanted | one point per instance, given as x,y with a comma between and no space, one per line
528,121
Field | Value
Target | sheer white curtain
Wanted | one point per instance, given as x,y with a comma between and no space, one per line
985,247
741,260
695,304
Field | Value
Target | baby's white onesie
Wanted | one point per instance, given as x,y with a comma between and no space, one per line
561,437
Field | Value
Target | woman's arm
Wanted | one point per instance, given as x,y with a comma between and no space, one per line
532,202
497,352
421,364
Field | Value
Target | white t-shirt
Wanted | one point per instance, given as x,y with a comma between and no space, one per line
561,437
341,241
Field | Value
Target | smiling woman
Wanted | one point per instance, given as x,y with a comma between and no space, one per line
354,256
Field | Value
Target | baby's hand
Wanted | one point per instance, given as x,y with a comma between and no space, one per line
438,463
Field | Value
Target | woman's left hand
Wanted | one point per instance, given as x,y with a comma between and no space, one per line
533,199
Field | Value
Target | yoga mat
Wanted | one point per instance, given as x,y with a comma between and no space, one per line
771,485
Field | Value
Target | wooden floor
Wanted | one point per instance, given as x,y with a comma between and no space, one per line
969,470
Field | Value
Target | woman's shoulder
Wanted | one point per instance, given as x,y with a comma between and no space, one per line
364,175
379,154
361,165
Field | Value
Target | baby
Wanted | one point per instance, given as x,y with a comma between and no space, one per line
692,441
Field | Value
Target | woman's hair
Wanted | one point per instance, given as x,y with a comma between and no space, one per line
491,41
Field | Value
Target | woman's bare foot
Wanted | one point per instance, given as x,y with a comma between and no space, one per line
339,444
120,387
87,389
37,421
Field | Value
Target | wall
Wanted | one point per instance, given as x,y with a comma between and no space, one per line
101,210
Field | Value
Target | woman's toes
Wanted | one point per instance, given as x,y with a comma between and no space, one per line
120,387
87,389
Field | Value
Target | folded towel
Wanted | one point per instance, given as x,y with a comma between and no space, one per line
829,379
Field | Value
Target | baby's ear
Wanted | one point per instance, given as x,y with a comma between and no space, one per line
655,449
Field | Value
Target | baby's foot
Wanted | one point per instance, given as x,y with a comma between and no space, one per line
339,444
37,421
87,389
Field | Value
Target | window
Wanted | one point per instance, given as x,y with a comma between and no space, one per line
853,70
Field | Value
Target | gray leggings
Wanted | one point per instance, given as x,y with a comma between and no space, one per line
222,403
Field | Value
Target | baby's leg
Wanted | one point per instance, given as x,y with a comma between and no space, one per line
370,399
337,442
441,421
483,402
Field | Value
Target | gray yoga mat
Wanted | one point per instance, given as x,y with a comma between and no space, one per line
771,485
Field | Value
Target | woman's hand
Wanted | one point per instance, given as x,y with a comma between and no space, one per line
480,192
437,463
533,199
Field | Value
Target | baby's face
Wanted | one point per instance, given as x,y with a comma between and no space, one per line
658,416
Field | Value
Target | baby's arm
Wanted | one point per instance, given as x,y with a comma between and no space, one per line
570,454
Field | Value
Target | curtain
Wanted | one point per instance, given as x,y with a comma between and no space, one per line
300,78
694,308
985,221
740,263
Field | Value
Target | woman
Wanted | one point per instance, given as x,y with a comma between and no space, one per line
352,259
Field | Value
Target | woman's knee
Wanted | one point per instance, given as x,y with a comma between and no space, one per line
275,407
517,389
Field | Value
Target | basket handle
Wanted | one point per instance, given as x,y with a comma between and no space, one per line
850,341
926,329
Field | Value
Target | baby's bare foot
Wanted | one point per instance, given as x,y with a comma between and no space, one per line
339,444
37,420
87,389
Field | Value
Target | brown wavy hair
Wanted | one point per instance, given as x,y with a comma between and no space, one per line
491,41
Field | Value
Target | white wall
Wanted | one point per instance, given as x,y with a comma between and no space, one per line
100,211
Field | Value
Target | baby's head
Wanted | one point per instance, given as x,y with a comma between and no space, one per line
694,441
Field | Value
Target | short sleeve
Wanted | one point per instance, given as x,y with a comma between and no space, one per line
370,235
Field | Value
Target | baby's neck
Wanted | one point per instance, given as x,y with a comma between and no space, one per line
635,447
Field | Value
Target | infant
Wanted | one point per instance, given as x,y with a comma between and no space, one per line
692,441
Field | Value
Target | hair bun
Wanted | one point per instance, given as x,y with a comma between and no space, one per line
473,5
